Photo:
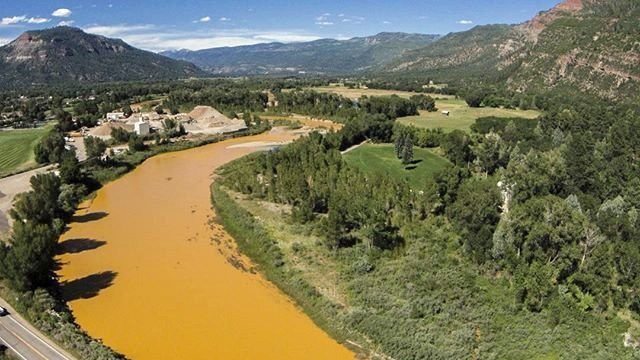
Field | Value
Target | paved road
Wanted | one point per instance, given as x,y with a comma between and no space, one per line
25,342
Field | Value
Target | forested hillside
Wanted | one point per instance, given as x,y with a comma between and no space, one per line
589,45
69,55
324,56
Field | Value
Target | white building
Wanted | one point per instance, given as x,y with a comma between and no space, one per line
141,128
115,115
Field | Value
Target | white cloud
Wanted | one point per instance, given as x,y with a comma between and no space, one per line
37,20
285,37
225,19
154,38
324,23
117,30
4,41
351,19
386,22
62,12
13,20
464,22
66,23
205,19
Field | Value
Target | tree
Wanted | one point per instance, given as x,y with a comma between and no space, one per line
491,153
127,110
65,121
70,168
120,135
424,102
457,147
398,145
136,143
536,174
40,205
50,148
169,126
28,260
159,110
535,285
476,213
95,147
407,150
474,97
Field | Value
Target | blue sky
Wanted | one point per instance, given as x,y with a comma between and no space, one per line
197,24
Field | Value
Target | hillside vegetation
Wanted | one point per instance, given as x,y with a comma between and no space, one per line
589,45
64,54
324,56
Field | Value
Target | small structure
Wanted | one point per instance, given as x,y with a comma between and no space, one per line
141,128
113,116
445,112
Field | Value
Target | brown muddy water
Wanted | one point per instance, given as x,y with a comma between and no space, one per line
146,268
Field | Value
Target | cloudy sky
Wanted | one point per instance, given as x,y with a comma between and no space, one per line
197,24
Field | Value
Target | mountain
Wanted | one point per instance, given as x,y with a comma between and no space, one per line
591,45
325,56
65,54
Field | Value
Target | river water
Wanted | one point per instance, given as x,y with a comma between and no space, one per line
146,268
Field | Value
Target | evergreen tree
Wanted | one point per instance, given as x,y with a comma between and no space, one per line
398,145
407,150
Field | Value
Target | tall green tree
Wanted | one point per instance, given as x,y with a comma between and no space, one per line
28,259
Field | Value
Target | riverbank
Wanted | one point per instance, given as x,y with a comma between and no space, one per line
258,243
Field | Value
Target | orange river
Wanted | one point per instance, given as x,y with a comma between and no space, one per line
146,269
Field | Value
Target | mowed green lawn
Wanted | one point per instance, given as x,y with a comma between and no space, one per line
375,159
16,148
461,116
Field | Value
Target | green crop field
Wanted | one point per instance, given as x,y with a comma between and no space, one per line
16,148
461,116
380,158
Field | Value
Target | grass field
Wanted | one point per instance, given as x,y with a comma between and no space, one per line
461,115
357,93
380,158
16,149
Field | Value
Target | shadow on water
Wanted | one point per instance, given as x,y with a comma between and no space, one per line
74,246
94,216
88,286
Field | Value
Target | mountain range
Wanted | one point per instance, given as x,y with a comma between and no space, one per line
65,54
590,45
324,56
